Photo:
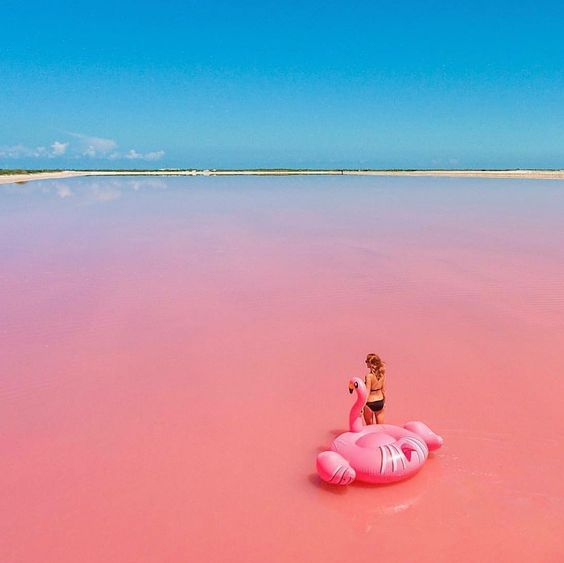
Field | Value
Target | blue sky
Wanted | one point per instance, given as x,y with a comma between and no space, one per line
416,84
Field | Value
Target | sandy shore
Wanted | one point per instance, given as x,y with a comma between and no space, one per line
526,174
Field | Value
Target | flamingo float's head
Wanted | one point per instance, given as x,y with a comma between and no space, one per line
355,422
355,383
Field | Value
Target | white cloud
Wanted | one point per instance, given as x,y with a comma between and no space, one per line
11,152
21,151
94,146
444,161
83,146
132,154
58,149
155,155
99,147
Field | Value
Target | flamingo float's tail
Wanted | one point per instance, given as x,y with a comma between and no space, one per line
335,469
433,441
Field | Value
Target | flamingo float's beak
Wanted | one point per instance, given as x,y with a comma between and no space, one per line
351,388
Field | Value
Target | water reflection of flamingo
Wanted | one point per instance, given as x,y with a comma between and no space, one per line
378,453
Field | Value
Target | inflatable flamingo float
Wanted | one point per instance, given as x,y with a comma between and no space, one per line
377,453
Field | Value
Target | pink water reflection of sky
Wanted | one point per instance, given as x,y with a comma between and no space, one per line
176,352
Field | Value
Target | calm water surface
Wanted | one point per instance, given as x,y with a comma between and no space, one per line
175,352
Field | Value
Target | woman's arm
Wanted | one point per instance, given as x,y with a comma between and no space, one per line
368,382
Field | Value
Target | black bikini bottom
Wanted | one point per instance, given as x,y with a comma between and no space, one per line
376,406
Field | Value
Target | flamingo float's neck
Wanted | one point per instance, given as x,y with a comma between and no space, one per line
355,416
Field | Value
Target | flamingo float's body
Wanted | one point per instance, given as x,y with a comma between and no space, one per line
377,453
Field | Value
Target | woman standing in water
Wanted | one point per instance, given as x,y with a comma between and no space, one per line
374,408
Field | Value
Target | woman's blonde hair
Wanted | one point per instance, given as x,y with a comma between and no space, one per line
376,364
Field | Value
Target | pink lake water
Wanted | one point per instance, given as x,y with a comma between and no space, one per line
175,352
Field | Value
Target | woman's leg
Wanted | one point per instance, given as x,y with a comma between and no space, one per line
380,417
367,415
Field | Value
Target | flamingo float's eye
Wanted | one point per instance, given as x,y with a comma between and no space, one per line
356,383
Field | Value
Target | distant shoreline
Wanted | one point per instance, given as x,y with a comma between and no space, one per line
17,176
